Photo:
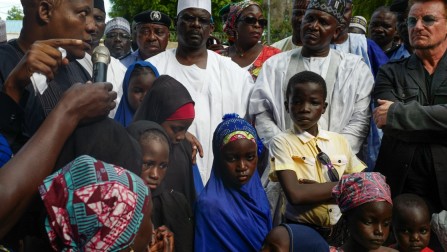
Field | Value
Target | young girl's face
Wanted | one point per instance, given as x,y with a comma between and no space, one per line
369,224
239,159
155,162
138,87
412,229
176,129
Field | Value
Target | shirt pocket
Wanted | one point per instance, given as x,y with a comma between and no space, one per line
440,96
305,167
340,163
407,94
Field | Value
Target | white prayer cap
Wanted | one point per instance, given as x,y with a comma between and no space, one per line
201,4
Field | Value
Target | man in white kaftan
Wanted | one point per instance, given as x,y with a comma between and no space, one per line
217,87
349,82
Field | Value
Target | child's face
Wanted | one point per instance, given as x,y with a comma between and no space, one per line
155,162
239,159
176,129
306,104
412,229
138,87
369,224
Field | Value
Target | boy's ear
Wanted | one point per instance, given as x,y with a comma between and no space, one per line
45,11
324,108
286,104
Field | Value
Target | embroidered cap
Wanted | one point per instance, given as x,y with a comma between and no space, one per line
117,23
334,7
201,4
153,17
358,22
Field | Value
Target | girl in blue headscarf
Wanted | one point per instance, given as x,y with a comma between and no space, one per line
232,212
138,80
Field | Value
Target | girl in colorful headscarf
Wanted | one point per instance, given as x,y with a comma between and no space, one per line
232,212
245,25
95,206
138,80
365,200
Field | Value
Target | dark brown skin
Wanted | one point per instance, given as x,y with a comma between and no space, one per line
192,49
42,57
20,177
304,192
247,48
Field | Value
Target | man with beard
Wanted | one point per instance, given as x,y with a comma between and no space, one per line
118,38
348,78
411,97
152,35
298,9
217,85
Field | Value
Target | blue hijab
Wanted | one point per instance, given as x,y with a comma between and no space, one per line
231,218
124,113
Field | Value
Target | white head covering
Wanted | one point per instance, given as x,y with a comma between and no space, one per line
201,4
358,22
2,31
117,23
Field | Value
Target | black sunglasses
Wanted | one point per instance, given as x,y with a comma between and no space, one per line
191,19
427,20
324,159
252,21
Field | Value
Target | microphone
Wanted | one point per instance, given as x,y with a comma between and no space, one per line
100,60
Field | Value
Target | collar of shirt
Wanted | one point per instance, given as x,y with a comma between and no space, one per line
306,137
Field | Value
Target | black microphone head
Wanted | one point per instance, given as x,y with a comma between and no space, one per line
101,54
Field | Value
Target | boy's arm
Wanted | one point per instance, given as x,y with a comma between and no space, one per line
302,191
304,194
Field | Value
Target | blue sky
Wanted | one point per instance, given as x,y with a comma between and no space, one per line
6,5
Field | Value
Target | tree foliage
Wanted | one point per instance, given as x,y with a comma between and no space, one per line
128,9
15,13
280,11
366,8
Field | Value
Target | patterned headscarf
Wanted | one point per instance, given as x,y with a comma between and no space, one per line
233,128
231,203
357,189
235,11
93,206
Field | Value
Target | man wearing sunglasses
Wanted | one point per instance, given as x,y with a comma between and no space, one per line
216,84
411,96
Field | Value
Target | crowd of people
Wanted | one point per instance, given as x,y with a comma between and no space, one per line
332,139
